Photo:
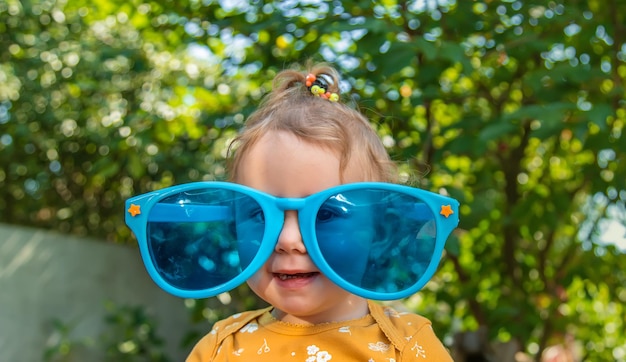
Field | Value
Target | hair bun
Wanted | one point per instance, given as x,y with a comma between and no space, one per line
321,80
320,86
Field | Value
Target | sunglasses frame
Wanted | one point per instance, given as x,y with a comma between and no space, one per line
138,208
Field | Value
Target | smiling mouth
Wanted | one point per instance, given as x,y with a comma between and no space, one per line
295,276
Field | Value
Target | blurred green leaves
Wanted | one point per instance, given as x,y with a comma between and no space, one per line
517,109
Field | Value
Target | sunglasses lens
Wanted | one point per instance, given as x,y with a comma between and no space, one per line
195,242
378,240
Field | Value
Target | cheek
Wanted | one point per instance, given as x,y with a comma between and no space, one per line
258,282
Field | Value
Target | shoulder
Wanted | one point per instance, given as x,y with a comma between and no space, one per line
403,323
208,345
236,321
410,333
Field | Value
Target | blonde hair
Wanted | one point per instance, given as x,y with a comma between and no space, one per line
291,107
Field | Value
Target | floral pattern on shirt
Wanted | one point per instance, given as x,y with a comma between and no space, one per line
315,355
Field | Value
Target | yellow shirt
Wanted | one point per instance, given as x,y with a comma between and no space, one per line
384,335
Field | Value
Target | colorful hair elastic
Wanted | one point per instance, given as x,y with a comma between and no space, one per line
319,87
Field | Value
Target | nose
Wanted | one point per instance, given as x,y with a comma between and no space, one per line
290,238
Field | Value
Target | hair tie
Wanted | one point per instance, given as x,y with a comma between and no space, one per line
318,86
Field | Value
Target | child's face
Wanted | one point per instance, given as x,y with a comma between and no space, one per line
285,166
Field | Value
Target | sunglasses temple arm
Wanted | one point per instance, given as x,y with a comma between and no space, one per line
161,212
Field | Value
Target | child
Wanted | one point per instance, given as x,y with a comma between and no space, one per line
313,224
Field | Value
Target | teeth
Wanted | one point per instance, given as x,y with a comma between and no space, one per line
293,276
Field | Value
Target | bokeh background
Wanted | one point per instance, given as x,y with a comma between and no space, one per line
516,108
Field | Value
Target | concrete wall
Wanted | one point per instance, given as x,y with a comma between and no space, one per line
46,276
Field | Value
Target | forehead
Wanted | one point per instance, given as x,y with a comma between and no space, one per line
285,165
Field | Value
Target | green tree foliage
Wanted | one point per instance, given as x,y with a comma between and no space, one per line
516,108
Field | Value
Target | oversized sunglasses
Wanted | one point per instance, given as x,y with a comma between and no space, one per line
377,240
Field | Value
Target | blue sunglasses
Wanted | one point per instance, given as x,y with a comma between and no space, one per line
377,240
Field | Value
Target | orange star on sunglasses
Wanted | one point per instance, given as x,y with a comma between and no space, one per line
134,210
446,210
